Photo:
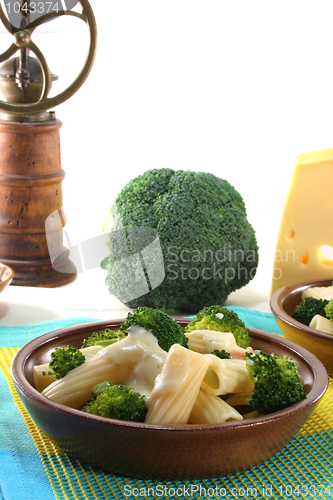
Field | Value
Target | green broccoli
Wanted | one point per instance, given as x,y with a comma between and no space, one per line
277,383
103,338
221,319
179,241
308,308
329,309
221,354
63,360
166,329
116,401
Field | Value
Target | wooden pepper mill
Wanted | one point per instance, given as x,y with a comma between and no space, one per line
30,158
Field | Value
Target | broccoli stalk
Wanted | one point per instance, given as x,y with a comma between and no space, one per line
104,338
277,383
308,308
116,401
63,360
221,319
166,330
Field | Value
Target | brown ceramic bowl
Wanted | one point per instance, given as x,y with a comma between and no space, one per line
6,276
283,303
142,450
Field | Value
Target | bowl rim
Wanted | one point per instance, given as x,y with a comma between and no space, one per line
320,383
279,296
10,277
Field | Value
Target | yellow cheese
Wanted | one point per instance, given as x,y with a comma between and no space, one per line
304,249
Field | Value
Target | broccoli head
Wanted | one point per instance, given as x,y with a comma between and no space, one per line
221,354
116,401
329,309
179,241
65,359
277,383
308,308
166,330
221,319
103,338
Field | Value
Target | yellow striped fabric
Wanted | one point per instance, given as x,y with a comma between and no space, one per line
301,470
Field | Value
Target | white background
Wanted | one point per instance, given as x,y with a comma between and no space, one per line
233,87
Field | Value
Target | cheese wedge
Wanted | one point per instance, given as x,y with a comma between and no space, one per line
304,249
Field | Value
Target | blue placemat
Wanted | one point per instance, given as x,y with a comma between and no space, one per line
31,467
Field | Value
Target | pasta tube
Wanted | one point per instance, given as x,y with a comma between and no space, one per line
321,324
134,361
176,387
210,409
206,341
226,376
41,381
241,399
251,414
319,292
75,388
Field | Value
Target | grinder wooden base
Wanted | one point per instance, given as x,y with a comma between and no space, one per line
30,190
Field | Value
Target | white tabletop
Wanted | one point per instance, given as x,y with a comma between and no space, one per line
88,297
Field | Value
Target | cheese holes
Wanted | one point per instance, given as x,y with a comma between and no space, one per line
325,255
304,258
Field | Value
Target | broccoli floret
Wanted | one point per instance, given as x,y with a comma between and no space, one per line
308,308
179,241
63,360
116,401
277,383
104,338
166,329
221,354
221,319
329,309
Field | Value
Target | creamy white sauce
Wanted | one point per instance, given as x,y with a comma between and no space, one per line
138,359
90,352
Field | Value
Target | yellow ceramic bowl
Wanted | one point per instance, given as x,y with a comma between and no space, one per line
6,276
283,303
